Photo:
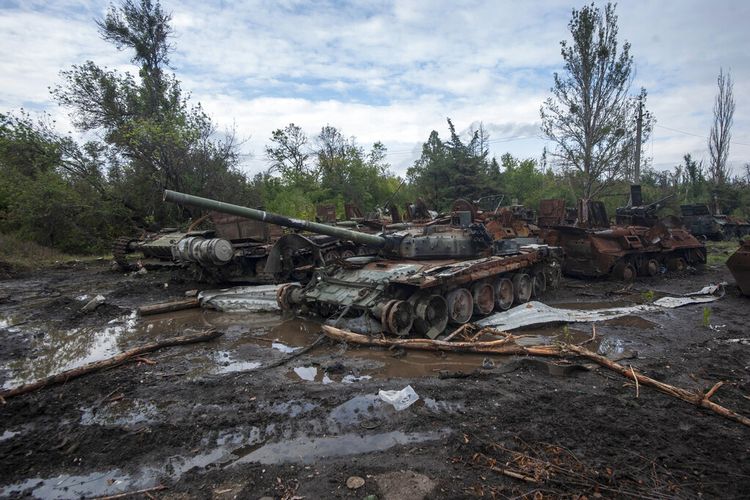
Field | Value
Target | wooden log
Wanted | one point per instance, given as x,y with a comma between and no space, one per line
164,307
111,362
506,347
501,346
697,399
133,493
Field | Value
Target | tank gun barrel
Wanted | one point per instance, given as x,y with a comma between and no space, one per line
273,218
659,202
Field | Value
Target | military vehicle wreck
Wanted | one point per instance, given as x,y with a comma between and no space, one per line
418,279
739,265
236,250
701,222
639,243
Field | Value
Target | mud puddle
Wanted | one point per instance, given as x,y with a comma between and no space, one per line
54,349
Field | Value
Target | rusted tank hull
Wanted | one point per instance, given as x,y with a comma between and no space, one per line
405,296
739,264
625,252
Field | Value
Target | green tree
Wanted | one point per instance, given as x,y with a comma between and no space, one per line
155,138
589,114
453,169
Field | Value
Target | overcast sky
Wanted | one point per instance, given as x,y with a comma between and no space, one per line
394,71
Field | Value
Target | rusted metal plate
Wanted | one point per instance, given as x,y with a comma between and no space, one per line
551,212
325,213
235,228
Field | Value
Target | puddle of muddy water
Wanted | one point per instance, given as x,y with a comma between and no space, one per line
310,450
70,487
55,349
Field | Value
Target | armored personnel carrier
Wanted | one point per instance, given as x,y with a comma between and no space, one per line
638,244
417,279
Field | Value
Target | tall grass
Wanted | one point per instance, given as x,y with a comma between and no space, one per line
22,254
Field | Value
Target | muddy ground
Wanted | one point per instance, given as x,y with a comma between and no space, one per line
212,421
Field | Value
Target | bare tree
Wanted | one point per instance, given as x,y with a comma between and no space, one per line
589,114
718,141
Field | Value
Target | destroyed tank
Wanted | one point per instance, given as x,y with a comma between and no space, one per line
739,265
638,244
701,222
236,250
418,280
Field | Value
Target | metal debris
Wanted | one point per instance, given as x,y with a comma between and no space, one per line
536,313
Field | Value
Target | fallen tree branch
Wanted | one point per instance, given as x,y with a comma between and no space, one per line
111,362
132,493
689,396
506,346
501,346
177,305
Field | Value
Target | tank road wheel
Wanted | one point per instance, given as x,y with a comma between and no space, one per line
345,254
539,284
284,296
331,256
624,271
503,293
650,268
430,314
397,317
460,305
676,264
484,298
554,273
522,287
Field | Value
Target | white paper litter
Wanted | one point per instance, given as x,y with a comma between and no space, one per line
537,313
241,299
400,400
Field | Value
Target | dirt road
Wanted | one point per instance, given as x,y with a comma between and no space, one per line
212,421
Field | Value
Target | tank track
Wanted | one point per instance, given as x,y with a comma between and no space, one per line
120,252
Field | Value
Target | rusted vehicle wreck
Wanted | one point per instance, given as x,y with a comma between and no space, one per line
639,243
419,280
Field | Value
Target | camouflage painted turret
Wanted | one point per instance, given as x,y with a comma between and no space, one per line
421,279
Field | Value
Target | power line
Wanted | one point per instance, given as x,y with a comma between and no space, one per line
696,135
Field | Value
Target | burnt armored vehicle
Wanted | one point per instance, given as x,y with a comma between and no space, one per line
701,222
419,279
638,244
235,250
739,265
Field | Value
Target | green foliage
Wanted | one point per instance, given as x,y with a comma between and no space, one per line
590,115
706,317
332,170
648,296
153,138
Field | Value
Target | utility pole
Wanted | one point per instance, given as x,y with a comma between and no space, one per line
638,131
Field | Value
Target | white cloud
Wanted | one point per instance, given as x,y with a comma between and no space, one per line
394,71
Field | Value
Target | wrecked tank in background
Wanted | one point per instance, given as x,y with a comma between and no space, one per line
701,222
739,265
639,244
236,250
502,222
421,279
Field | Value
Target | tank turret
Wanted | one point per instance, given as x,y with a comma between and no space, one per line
422,279
429,242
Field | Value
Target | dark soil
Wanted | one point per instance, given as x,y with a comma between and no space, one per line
193,423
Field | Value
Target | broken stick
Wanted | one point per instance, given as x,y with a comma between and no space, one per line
111,362
177,305
507,347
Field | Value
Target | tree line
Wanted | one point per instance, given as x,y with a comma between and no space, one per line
146,135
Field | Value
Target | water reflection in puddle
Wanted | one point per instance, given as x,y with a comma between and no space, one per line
310,449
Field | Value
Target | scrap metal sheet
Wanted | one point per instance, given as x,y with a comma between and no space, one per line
536,313
241,299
